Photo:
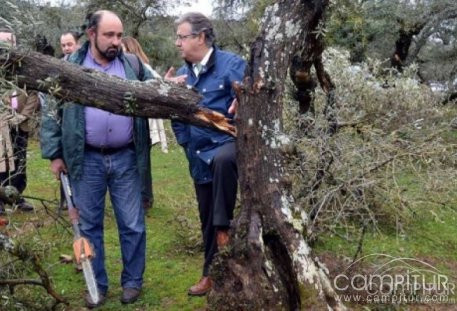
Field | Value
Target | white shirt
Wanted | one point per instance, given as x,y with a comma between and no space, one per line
203,62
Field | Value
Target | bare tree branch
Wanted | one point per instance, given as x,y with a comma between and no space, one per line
25,255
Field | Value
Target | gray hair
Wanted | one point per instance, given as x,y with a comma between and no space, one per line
199,23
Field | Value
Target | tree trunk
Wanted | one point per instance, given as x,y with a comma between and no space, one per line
69,82
426,31
268,264
402,45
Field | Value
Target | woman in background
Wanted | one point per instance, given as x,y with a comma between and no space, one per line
157,130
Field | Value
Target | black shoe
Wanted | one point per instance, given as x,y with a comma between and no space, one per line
91,304
147,204
25,206
130,295
2,208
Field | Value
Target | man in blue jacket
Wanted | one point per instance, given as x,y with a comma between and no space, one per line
211,153
103,151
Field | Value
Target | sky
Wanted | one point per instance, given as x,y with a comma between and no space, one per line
202,6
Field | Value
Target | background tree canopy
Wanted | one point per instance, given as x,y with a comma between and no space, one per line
421,32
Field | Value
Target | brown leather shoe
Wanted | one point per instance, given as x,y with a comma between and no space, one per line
202,287
130,295
222,238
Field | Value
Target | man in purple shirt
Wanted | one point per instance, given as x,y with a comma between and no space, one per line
103,151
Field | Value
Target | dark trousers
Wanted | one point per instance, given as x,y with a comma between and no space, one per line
216,200
18,177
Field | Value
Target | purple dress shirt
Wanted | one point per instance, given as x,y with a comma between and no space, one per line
103,128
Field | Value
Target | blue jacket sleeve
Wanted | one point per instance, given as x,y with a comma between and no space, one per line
236,72
181,132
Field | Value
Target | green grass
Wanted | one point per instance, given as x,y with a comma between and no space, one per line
174,262
426,236
425,226
427,233
170,268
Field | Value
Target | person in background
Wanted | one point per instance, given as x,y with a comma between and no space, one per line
157,130
69,43
211,154
17,108
102,151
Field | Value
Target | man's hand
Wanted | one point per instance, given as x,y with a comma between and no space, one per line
237,87
170,76
57,166
233,107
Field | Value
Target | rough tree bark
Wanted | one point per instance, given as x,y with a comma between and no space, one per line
155,99
268,264
402,45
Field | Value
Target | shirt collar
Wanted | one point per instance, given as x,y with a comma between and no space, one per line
205,59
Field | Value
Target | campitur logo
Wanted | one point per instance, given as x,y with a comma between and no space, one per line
397,280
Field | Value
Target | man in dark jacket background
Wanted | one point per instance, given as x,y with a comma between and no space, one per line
103,151
69,43
211,154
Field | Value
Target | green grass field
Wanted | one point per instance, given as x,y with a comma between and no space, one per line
172,266
173,253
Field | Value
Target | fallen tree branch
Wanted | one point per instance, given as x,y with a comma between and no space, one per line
25,255
15,282
69,82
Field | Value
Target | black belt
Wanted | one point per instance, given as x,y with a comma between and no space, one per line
109,150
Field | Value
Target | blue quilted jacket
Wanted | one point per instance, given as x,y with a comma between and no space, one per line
214,83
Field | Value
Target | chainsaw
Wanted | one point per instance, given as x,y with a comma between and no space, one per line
81,247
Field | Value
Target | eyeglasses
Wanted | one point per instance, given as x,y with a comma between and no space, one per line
184,37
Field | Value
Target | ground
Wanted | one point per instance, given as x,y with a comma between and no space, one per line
428,237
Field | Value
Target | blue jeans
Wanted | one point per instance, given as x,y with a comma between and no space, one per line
117,173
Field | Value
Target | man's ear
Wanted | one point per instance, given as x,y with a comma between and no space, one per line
202,38
90,32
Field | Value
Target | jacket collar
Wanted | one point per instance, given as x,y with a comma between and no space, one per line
209,64
80,54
